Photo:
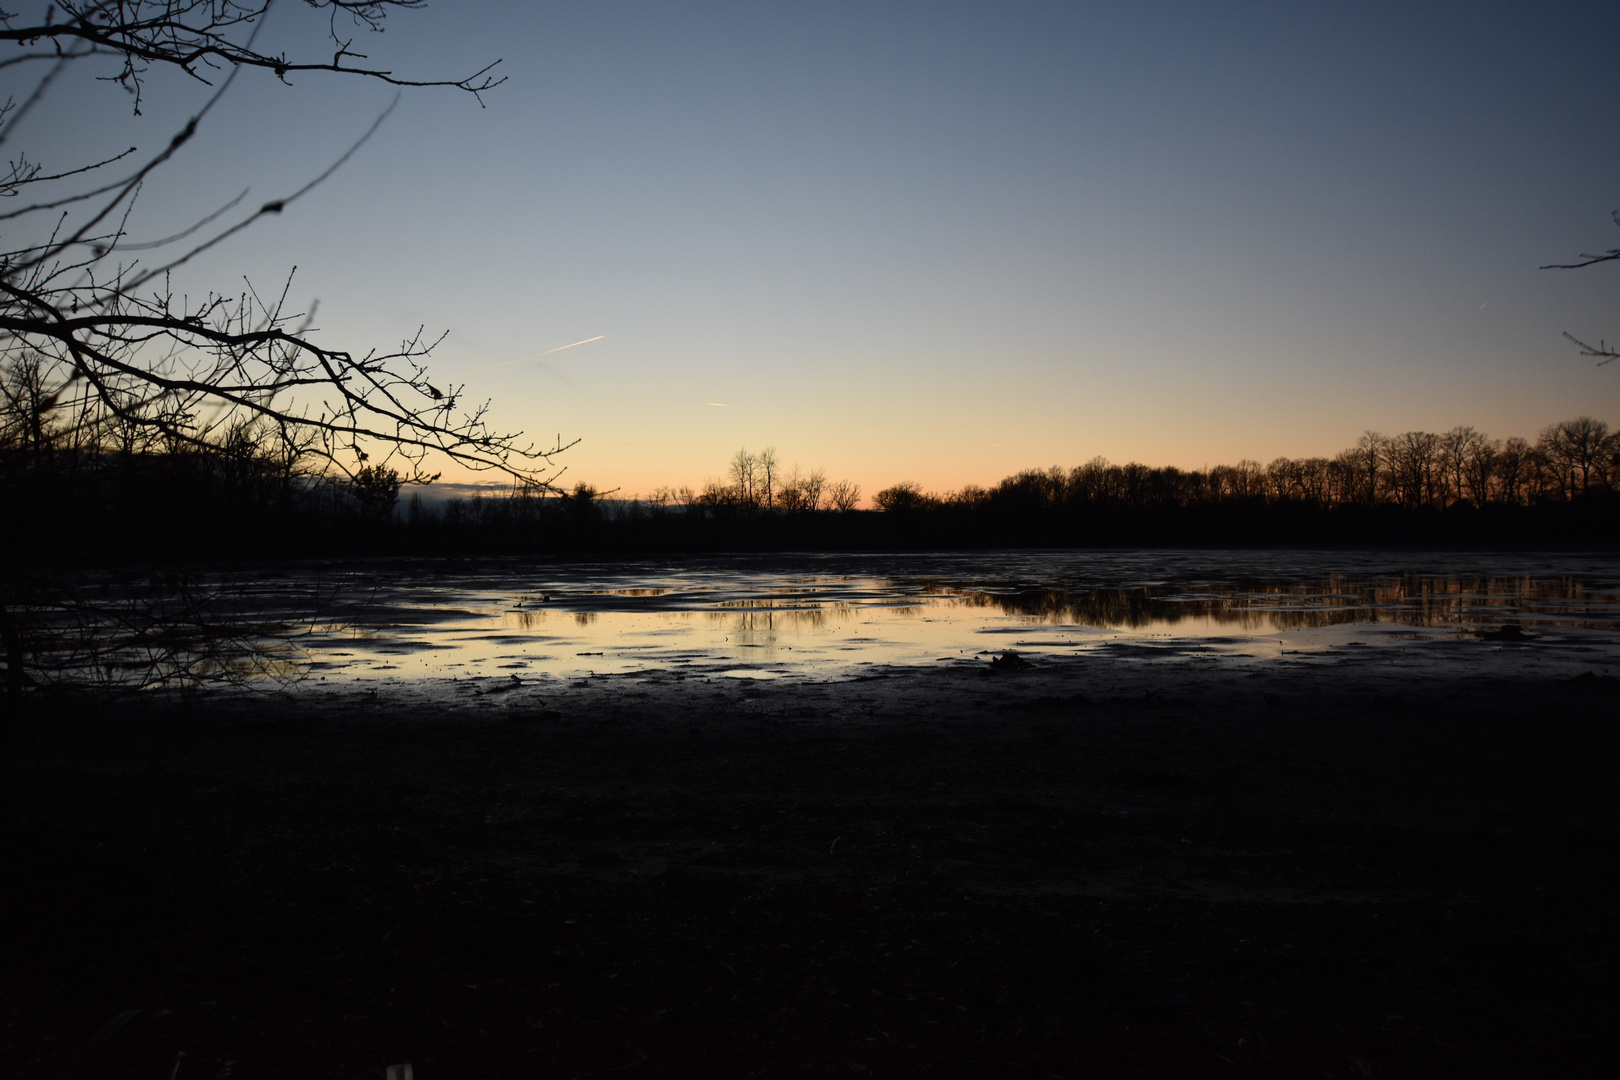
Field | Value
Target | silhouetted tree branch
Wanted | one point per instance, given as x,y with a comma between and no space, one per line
108,348
1601,350
198,36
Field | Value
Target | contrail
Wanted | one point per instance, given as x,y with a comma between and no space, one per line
560,348
548,352
717,405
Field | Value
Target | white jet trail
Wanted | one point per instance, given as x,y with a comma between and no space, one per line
548,352
560,348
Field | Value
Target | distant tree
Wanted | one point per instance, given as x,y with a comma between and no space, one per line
1282,479
1457,448
812,488
581,502
1413,461
376,489
842,495
971,496
1245,480
1369,456
1308,479
745,477
1580,450
1514,467
1030,491
714,494
902,497
790,496
801,491
1479,469
766,468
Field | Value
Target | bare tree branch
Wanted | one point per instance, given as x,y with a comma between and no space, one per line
195,34
1589,260
104,354
1602,349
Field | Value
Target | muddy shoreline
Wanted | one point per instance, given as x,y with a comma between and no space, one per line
1083,869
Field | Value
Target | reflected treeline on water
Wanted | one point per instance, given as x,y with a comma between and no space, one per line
766,617
1419,599
536,620
1415,600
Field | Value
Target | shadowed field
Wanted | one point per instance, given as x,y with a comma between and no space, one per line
1075,870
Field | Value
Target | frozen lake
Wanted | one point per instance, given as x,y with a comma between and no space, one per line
834,616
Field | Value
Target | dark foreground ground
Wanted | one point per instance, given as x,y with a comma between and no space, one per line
930,874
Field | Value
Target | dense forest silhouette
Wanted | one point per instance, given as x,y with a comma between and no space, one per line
108,487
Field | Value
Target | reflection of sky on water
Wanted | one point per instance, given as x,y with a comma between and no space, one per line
833,615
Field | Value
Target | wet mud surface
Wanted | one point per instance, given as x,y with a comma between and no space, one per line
1083,868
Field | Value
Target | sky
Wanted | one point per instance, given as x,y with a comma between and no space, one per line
935,242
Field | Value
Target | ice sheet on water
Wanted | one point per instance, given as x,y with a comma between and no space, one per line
821,615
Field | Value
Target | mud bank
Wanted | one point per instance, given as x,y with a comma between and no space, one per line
1082,869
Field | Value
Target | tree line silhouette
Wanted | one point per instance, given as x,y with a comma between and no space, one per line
1461,486
98,482
1419,469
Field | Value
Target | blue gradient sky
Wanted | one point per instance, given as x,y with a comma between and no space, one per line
943,242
